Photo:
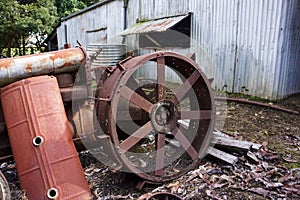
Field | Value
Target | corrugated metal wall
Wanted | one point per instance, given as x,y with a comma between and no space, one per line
287,72
154,9
99,25
145,10
213,31
249,47
258,31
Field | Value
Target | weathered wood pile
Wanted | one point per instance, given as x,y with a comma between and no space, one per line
228,149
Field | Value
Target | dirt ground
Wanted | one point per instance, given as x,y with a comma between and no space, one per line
280,130
275,176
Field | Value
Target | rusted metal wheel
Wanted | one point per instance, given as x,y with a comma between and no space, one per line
160,127
4,188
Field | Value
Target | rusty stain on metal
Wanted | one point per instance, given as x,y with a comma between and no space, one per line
65,80
41,140
74,93
13,69
28,68
8,62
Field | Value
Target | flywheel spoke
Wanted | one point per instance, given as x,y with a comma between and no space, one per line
161,82
136,137
185,143
136,99
135,86
185,87
196,114
160,151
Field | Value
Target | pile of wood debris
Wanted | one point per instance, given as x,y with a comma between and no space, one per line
241,168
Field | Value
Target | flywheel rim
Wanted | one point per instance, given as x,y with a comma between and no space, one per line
193,78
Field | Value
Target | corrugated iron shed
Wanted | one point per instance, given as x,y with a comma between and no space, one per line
250,47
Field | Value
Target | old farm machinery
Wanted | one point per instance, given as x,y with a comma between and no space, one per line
145,124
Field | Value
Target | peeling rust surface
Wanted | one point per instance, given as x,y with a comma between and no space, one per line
28,68
6,63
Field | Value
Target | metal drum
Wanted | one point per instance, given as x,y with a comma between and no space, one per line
46,159
109,55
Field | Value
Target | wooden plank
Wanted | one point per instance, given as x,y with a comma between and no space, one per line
231,144
255,147
252,157
226,157
218,133
236,144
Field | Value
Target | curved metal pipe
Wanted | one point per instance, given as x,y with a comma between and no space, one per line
246,101
14,69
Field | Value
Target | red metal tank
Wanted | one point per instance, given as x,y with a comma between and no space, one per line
46,159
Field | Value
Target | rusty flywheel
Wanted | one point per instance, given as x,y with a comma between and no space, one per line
159,111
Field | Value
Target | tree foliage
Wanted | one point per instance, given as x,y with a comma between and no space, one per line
21,19
67,7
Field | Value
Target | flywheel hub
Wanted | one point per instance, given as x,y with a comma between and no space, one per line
164,116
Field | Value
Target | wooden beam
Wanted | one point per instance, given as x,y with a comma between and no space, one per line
222,140
231,144
226,157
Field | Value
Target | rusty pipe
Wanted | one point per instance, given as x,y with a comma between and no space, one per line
14,69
